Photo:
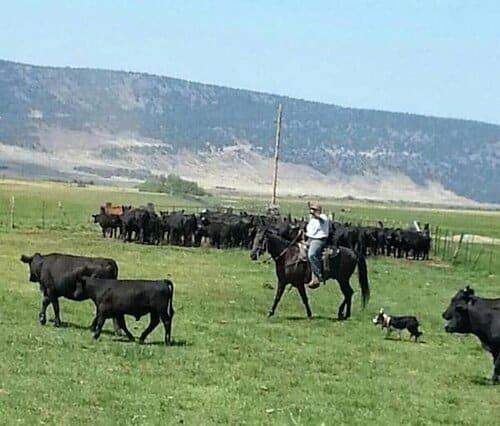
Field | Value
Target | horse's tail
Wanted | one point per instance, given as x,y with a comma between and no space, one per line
363,279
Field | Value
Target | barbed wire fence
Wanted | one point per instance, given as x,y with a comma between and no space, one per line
446,245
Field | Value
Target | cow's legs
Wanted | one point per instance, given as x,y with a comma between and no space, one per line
55,306
496,369
280,288
154,320
42,315
94,324
120,320
167,323
99,324
303,295
116,326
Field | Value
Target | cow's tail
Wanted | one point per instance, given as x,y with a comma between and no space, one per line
170,307
363,279
170,312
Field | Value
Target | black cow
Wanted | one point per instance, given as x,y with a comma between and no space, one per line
483,322
115,298
464,296
107,221
51,272
135,221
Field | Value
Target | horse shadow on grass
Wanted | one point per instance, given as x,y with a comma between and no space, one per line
313,318
179,343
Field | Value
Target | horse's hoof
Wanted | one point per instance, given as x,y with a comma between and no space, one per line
43,320
57,323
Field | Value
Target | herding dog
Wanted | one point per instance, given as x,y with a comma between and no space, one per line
409,323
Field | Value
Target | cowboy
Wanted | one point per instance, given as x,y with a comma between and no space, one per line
317,231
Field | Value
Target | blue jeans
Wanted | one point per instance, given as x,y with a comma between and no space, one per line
314,255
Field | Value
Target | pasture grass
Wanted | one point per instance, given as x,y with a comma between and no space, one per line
230,364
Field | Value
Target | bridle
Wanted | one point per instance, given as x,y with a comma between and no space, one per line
283,252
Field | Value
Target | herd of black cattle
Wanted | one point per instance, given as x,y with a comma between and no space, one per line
81,278
227,229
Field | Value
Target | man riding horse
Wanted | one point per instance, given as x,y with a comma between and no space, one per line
317,232
293,269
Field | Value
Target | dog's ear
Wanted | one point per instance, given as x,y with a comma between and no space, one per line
26,259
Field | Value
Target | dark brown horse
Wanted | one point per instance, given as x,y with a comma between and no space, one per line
291,270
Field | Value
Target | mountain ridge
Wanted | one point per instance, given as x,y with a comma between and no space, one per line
174,114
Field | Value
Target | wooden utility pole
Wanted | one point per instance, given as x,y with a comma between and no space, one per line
276,155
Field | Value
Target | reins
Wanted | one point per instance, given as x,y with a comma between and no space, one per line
299,234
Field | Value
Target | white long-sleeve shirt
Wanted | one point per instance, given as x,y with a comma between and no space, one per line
318,228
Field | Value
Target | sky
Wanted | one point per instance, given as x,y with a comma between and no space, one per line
429,57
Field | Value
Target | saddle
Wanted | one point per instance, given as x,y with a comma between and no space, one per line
329,253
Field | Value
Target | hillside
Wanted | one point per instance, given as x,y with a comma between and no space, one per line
94,122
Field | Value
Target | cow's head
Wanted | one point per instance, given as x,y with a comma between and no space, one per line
459,321
462,297
35,263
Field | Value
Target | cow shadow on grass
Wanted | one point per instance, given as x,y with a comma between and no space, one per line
405,340
481,381
68,324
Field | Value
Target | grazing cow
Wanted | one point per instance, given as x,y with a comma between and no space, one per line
116,298
51,272
483,322
391,322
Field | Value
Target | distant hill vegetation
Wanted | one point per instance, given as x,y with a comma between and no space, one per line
173,114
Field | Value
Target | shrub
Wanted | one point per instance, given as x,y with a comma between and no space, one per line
172,184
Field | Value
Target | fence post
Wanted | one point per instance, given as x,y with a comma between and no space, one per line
471,248
436,242
467,248
491,257
12,210
457,250
43,214
445,244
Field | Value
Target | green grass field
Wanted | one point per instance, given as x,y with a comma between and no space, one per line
230,364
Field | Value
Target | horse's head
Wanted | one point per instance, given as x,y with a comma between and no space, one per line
259,245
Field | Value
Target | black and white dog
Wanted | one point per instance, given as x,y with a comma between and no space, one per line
409,323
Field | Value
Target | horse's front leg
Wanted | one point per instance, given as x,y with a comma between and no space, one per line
303,295
280,288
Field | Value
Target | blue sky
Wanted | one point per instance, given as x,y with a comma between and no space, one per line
430,57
